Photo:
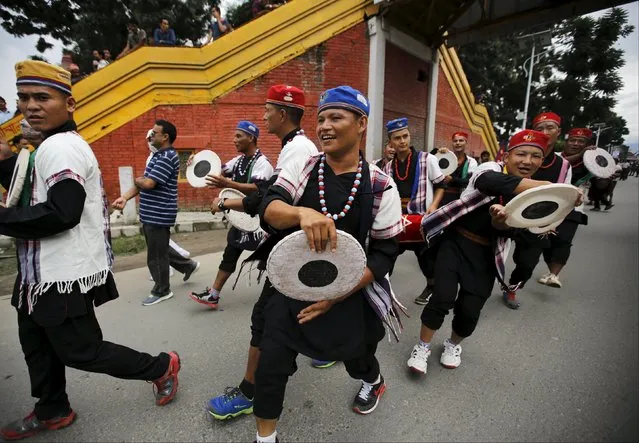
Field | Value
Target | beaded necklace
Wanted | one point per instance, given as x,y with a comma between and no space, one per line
406,171
239,171
322,189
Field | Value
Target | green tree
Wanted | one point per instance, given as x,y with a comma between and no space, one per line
578,77
84,25
239,13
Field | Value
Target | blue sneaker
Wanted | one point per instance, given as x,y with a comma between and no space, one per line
321,364
230,404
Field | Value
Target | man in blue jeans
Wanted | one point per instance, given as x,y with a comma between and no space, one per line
158,211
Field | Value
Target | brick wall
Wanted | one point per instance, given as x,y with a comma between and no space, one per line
341,60
450,119
406,91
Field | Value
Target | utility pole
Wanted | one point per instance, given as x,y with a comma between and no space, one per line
600,129
544,38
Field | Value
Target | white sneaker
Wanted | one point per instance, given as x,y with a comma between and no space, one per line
553,281
544,278
418,361
451,357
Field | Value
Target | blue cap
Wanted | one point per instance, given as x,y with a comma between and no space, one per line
249,127
397,124
344,97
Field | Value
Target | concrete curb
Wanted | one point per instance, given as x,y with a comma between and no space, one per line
197,224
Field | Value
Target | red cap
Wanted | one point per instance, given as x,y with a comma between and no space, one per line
580,132
546,117
284,95
460,134
528,137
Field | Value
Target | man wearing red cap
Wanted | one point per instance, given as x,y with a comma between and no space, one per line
529,246
283,115
467,262
458,180
557,253
456,183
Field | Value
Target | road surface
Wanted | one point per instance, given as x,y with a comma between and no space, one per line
563,367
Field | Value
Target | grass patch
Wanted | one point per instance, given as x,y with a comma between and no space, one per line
128,245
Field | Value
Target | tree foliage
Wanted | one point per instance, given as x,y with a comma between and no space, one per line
84,25
240,13
578,77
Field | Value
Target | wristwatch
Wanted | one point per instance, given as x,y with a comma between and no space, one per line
220,205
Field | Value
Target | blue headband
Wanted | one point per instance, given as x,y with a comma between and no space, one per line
249,128
344,97
397,124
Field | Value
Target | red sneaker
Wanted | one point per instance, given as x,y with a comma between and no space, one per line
510,299
30,425
205,298
166,386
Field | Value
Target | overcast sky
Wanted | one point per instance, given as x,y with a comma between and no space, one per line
14,49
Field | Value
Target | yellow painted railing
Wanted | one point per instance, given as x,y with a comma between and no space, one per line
476,115
149,77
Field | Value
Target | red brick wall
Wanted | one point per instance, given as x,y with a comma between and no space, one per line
450,119
341,60
404,94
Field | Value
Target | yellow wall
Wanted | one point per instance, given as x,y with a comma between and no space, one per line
151,76
476,115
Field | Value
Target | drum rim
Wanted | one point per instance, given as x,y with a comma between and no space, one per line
216,168
21,167
452,159
352,256
590,155
236,218
515,204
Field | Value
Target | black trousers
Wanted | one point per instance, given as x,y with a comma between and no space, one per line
601,196
526,257
560,244
257,316
160,256
77,342
469,266
230,257
422,254
278,362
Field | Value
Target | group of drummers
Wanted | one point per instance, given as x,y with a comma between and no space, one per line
325,227
451,212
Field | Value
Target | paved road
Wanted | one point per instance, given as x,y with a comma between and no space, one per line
563,367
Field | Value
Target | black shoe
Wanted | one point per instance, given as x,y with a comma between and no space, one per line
596,208
608,206
423,298
188,274
368,396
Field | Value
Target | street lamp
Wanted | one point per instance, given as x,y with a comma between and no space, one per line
543,39
600,129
